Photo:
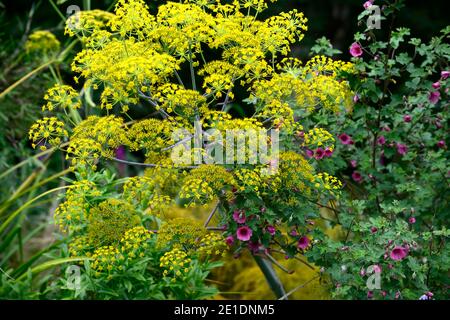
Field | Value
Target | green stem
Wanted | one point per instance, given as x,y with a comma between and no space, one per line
24,78
26,205
53,263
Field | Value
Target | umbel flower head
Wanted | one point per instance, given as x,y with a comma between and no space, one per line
109,220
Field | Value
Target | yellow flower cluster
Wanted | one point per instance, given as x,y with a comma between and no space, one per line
326,66
42,42
180,232
176,99
143,192
134,242
330,183
212,244
295,173
109,220
205,183
132,19
87,22
71,214
108,132
110,259
176,263
123,67
248,179
79,246
47,130
152,136
106,259
83,153
62,97
318,137
219,78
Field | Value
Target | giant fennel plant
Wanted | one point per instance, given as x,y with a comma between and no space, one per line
197,66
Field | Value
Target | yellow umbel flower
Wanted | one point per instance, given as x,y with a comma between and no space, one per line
62,97
47,130
205,183
42,42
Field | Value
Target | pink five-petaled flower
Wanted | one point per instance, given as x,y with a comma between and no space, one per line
239,216
357,176
398,253
356,50
407,118
445,74
271,230
244,233
319,153
345,138
367,4
381,140
402,148
441,144
434,97
229,240
303,243
436,85
412,220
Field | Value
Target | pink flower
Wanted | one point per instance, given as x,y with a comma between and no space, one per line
353,163
309,153
328,152
369,294
229,240
357,176
271,230
434,97
293,233
319,153
254,246
355,98
303,243
412,220
373,229
376,268
383,293
441,144
367,4
239,216
381,140
407,118
345,138
436,85
244,233
356,50
402,148
398,253
362,272
445,74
